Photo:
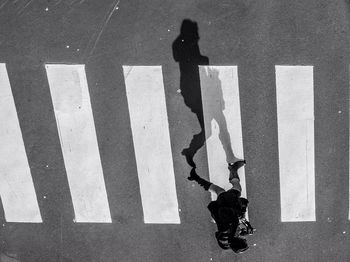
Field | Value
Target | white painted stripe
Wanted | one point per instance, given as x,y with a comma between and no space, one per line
16,184
295,114
71,102
150,130
222,121
349,173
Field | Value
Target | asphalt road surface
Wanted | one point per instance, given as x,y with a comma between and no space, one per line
105,35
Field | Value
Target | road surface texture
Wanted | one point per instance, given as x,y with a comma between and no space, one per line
106,35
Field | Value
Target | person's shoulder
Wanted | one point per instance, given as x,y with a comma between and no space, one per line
213,204
233,192
228,195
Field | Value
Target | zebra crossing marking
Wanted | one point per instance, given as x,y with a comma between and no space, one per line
151,138
17,191
349,164
222,121
75,123
295,114
294,93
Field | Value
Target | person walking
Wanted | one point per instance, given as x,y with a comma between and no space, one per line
228,210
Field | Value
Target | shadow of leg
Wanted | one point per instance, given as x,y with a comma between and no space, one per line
195,177
197,142
225,138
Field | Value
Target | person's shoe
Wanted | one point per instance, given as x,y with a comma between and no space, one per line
193,175
239,245
236,165
189,157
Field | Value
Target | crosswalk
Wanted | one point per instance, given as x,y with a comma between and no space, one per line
295,113
16,188
76,129
150,131
222,121
152,142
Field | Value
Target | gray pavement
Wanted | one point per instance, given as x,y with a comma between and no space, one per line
255,35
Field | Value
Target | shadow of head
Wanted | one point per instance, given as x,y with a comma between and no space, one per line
186,50
189,30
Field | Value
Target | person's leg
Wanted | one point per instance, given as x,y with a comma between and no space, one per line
212,188
234,178
233,167
216,189
236,185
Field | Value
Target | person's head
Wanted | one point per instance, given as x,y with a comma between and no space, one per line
238,244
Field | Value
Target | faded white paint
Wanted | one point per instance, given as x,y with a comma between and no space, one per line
16,184
295,114
150,131
75,123
222,120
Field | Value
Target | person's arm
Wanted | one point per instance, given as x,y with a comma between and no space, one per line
177,49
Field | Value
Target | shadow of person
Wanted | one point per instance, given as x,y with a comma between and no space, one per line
186,52
214,118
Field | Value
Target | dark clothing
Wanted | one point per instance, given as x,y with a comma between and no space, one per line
231,199
223,239
226,209
224,217
228,239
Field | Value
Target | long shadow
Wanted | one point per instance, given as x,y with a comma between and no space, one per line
215,105
186,52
